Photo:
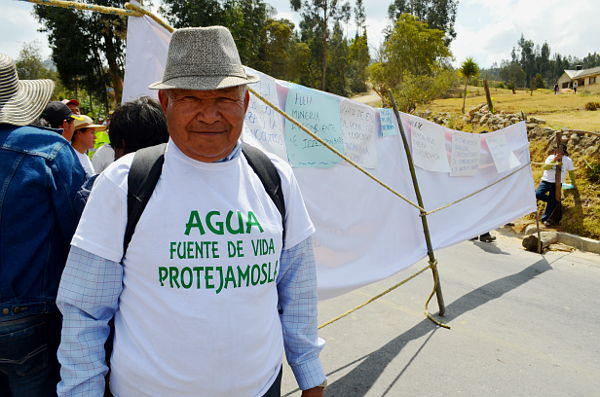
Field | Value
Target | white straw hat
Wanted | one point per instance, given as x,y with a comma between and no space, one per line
203,59
21,101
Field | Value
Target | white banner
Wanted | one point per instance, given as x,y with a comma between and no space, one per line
365,233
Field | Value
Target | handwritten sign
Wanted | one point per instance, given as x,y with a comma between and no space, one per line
261,121
466,149
320,113
504,158
429,147
389,125
359,132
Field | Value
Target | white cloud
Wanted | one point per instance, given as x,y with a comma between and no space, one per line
489,29
17,27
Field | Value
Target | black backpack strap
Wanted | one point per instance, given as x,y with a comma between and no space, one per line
143,176
268,175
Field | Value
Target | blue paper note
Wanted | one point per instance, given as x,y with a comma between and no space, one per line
320,113
388,122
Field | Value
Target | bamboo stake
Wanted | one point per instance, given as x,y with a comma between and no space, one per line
423,213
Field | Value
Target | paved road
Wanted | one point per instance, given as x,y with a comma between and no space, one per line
522,325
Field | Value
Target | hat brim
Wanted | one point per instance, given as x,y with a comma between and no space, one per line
96,127
28,103
203,83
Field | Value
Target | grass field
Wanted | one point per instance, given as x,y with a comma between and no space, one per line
565,110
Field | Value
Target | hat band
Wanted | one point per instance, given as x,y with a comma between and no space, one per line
194,70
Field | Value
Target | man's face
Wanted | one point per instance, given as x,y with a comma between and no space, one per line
205,125
68,127
74,108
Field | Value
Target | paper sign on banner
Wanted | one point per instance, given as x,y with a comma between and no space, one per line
429,147
261,120
320,113
389,126
504,158
466,149
360,132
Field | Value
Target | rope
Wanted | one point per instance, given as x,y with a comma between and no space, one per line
156,19
433,266
477,191
86,7
334,150
373,299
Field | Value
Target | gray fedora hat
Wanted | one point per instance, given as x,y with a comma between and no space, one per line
21,101
203,59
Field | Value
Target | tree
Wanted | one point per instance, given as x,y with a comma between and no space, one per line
186,13
537,82
31,67
413,63
512,73
87,47
358,52
246,20
438,14
316,18
358,61
337,82
468,70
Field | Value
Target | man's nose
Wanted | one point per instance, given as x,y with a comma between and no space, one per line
208,112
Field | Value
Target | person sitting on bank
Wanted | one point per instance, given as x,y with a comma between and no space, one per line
546,190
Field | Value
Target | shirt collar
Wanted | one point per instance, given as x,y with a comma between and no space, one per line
234,153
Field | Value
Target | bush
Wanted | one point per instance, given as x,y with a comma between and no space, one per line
592,172
592,106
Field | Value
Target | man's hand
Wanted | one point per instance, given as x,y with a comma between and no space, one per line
314,392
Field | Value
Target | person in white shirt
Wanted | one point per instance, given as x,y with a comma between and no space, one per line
547,187
83,140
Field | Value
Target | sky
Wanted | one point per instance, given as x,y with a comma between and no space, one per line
487,30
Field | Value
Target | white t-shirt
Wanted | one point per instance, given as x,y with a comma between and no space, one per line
550,175
103,157
86,163
196,317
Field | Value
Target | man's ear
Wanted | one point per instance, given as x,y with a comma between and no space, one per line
246,100
163,98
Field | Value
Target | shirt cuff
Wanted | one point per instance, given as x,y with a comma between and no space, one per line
309,374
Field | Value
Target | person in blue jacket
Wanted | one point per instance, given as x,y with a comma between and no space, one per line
39,178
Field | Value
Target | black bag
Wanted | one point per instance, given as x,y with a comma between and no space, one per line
143,176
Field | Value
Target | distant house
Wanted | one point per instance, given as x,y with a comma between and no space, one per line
583,77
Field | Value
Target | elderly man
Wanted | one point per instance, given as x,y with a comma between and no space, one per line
210,290
40,177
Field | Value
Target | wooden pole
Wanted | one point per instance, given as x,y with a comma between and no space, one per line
537,222
488,97
413,174
558,177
